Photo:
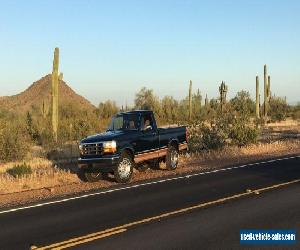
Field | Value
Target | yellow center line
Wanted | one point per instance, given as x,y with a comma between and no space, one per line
123,228
91,239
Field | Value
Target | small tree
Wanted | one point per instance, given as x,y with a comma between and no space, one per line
14,141
169,109
107,109
296,111
196,105
243,104
278,108
145,99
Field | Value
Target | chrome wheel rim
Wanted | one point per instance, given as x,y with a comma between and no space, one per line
124,168
174,158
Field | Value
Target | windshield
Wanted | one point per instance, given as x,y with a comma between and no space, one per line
124,122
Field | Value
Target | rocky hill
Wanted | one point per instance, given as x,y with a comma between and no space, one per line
40,92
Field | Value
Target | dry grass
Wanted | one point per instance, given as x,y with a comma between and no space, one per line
287,124
235,155
46,179
44,175
280,131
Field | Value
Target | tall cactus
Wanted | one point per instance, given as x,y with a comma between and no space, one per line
269,90
259,103
56,77
265,109
206,101
45,109
257,98
199,96
190,100
223,92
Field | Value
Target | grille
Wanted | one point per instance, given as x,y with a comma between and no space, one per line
92,149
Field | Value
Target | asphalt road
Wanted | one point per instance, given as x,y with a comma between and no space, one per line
131,210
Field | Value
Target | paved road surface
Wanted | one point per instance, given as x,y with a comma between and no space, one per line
208,226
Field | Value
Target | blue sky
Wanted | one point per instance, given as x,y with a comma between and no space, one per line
110,49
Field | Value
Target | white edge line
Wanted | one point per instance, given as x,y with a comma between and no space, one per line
142,184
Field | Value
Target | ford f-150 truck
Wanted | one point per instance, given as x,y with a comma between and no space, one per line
132,140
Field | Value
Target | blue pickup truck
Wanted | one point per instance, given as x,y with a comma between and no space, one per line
131,140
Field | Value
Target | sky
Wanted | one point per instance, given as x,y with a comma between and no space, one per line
111,49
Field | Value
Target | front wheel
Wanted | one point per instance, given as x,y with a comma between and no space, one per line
124,169
172,158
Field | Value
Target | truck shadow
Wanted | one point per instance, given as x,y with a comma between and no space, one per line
65,158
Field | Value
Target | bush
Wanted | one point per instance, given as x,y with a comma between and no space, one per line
278,109
20,170
242,135
227,128
14,141
243,104
205,137
296,112
213,138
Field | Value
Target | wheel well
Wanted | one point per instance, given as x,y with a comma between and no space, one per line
129,152
174,143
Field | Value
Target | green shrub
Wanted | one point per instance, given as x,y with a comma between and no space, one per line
296,115
242,135
14,141
278,109
205,137
20,170
243,104
213,138
227,128
296,111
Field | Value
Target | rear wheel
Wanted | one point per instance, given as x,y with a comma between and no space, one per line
124,169
172,158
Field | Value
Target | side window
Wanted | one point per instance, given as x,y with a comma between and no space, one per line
130,122
146,121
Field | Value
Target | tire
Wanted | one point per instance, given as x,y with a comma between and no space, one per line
172,158
93,176
123,171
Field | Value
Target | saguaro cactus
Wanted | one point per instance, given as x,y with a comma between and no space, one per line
56,77
223,92
259,103
45,109
269,90
265,92
199,100
206,101
257,98
190,100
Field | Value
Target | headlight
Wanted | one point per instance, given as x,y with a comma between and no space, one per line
80,148
109,147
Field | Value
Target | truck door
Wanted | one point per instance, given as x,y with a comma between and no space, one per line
149,139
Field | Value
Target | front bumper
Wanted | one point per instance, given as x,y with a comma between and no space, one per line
103,164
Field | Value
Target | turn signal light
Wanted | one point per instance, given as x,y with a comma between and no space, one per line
110,147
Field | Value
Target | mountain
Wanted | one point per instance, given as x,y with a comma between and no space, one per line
40,92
